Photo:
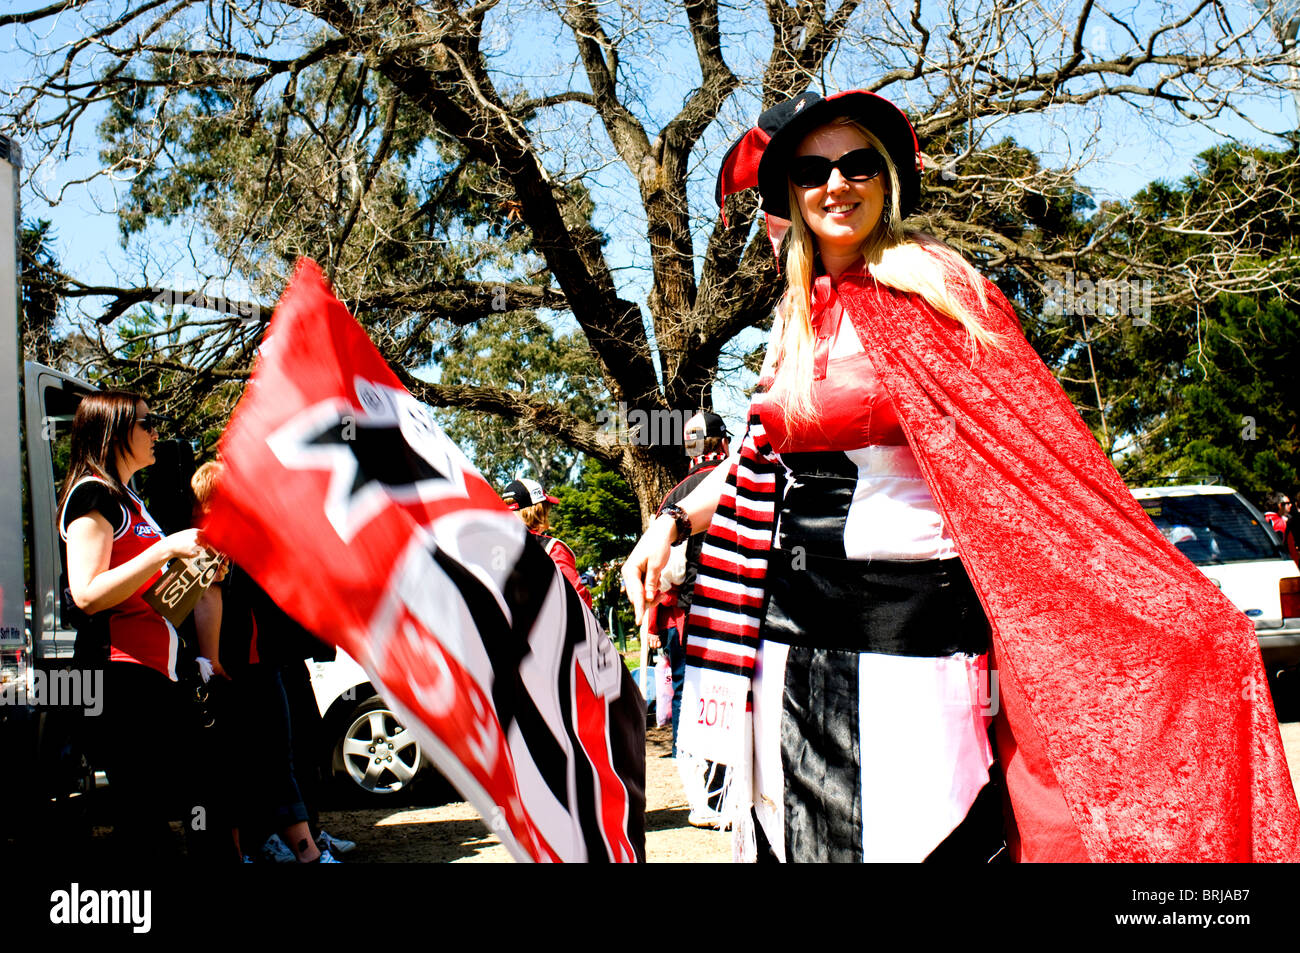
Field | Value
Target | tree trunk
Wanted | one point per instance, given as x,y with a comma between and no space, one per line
651,472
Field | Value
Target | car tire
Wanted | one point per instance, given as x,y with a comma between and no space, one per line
375,757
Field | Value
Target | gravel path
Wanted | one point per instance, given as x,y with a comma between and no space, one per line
453,833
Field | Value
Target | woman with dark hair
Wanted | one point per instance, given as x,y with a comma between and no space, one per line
886,571
114,552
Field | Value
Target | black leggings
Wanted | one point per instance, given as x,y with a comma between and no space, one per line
144,742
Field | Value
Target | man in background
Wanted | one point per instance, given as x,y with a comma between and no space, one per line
1278,512
706,444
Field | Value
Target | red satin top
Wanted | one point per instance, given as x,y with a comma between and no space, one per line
853,409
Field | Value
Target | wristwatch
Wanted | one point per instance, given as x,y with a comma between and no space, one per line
681,523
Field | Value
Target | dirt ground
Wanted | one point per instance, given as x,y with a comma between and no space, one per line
453,833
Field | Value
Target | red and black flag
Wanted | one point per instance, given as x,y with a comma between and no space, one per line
353,510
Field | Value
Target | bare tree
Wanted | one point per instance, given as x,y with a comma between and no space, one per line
437,155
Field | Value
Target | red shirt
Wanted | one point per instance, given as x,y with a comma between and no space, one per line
563,557
852,408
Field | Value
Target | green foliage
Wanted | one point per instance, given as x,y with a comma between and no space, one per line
597,515
517,352
272,183
1223,403
1206,390
989,199
349,172
41,297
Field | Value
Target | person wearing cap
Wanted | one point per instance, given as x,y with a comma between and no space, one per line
533,504
884,573
705,439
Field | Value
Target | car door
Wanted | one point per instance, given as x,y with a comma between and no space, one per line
51,402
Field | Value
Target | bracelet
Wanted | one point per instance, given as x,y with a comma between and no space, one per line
681,523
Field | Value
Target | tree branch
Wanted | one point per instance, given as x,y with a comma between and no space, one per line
534,412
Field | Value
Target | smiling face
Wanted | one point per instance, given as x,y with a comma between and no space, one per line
841,213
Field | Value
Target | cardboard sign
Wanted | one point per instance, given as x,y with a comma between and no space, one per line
177,591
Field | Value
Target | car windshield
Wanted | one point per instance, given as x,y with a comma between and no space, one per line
1209,528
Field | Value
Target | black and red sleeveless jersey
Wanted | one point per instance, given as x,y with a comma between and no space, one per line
136,632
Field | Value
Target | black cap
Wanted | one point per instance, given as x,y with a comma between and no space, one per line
524,493
701,427
781,128
706,424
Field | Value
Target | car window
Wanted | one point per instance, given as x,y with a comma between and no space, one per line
1208,528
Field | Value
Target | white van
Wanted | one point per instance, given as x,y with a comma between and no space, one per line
1231,542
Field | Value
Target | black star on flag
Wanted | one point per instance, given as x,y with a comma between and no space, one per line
386,452
380,452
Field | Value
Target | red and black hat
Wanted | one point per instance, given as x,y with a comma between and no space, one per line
761,156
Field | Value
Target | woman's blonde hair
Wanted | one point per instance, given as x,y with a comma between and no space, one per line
536,517
204,481
908,261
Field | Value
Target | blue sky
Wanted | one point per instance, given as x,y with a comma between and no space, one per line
1128,156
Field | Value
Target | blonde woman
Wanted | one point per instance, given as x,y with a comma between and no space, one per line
886,570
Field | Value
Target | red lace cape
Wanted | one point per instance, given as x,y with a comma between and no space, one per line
1136,722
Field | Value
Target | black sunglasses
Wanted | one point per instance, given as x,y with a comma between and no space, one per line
808,172
150,421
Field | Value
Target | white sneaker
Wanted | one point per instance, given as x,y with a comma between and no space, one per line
335,845
276,851
327,858
708,818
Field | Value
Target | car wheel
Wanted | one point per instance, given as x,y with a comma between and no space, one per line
377,753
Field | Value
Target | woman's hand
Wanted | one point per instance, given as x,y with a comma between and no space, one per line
95,584
645,564
184,544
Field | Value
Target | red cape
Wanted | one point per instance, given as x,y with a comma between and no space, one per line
1136,721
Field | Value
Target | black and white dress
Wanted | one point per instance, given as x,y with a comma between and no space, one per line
871,697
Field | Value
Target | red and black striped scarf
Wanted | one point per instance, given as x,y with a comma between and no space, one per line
723,628
726,614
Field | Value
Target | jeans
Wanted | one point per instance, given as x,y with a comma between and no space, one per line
677,662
